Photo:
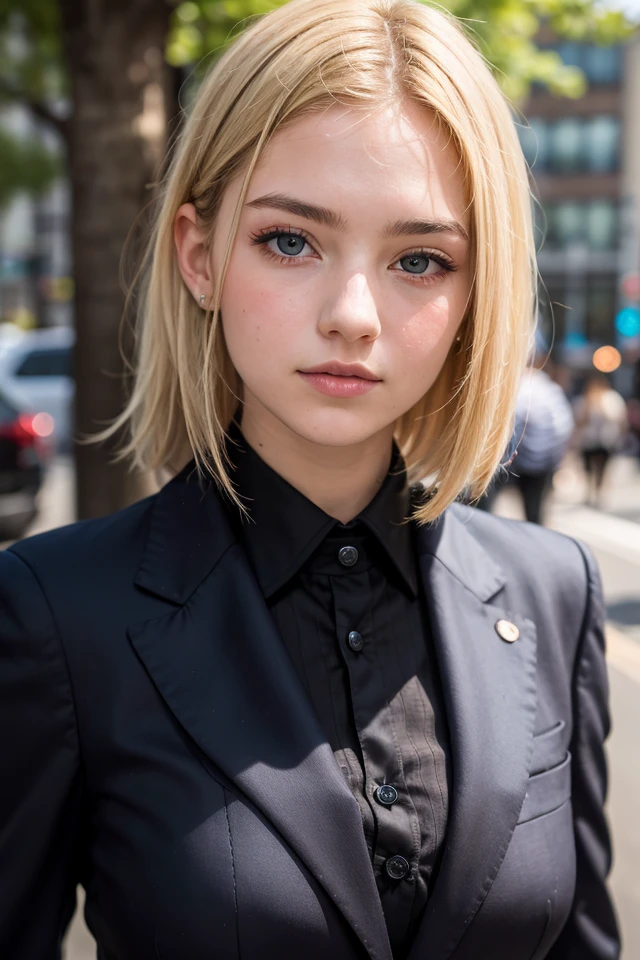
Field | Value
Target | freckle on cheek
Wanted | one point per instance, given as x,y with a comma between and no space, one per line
420,335
426,328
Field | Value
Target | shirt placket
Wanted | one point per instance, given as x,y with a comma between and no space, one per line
396,843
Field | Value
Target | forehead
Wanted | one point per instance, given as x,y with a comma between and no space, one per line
384,163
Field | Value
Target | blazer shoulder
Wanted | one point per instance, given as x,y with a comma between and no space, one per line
86,547
544,559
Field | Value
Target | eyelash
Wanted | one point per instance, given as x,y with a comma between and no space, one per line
261,238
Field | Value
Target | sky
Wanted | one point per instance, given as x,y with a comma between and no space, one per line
630,7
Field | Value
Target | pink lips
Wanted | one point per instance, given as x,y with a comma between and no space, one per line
336,379
339,386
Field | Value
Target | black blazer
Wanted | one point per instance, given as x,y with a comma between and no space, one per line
158,747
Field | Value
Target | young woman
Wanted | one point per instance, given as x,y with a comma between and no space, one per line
601,427
298,704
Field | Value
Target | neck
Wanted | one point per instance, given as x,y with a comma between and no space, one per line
339,480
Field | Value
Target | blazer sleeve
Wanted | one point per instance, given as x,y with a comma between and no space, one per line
40,782
591,932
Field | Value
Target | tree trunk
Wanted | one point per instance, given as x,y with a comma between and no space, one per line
117,141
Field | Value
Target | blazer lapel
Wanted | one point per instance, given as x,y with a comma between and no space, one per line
223,671
490,698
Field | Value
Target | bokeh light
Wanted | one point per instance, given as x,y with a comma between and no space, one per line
628,322
606,359
42,424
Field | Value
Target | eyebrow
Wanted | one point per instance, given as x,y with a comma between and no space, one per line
328,218
406,228
280,201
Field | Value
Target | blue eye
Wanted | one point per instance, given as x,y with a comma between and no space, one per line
416,263
284,244
290,244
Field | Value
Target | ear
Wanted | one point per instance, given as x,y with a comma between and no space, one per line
193,256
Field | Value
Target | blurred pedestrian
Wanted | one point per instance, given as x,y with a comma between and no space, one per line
542,431
601,426
299,703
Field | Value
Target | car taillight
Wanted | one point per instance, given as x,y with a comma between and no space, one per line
29,430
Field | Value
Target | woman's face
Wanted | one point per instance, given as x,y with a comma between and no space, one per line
352,249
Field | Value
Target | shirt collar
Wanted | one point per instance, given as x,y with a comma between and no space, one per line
286,527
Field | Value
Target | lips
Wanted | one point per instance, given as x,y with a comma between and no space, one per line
336,369
344,384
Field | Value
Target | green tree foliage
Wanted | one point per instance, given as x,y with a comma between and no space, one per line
25,165
31,67
31,73
505,31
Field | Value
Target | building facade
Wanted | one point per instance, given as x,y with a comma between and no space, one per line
585,159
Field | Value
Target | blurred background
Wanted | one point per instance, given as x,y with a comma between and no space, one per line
91,97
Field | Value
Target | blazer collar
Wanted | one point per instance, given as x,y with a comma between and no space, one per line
490,696
286,527
450,540
222,669
189,533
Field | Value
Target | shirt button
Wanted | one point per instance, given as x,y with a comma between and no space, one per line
347,556
397,867
355,641
386,794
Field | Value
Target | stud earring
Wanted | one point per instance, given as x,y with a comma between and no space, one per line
203,297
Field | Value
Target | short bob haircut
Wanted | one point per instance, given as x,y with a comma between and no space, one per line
301,58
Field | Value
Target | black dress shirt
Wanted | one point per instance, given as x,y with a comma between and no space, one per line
348,605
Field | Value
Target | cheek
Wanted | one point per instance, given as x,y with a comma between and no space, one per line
429,332
256,315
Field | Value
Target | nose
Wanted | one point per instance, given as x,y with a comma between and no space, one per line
351,311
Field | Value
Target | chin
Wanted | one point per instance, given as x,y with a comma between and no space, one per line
334,428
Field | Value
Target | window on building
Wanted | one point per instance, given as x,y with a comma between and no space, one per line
602,64
602,226
572,144
595,224
601,308
566,224
540,224
528,143
570,53
601,143
566,145
534,140
553,311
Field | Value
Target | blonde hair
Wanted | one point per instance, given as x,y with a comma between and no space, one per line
303,57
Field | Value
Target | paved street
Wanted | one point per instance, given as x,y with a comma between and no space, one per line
614,535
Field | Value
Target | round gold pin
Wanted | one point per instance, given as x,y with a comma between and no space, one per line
507,630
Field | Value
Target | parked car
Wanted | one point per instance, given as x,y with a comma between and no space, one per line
36,376
25,448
